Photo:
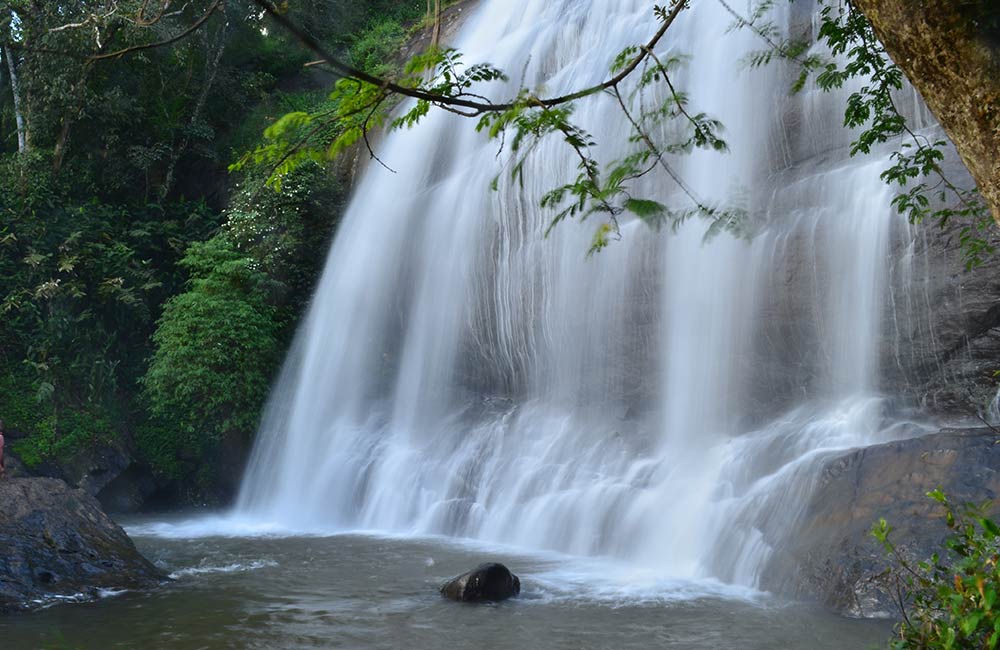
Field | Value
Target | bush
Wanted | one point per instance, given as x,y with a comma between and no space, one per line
218,343
285,234
951,601
376,49
216,346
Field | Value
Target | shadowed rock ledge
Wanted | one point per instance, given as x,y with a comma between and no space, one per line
832,557
57,542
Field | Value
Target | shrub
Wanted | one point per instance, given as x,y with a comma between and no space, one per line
949,601
376,49
216,346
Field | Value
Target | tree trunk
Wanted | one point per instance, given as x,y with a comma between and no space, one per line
15,89
950,51
62,141
212,61
436,34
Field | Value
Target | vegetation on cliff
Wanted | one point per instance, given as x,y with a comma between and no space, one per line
120,220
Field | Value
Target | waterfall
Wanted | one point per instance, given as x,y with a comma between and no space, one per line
664,401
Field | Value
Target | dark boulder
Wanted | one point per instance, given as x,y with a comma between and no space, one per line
486,583
831,556
57,542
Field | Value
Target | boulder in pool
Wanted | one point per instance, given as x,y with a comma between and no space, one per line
486,583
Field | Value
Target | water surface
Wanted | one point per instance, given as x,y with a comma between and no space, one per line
368,591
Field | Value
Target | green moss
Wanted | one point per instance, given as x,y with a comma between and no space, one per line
18,406
50,436
59,440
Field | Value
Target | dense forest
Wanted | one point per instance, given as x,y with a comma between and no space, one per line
139,275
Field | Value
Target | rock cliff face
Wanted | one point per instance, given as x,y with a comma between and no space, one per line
940,337
939,329
109,472
939,334
940,324
833,558
92,469
57,543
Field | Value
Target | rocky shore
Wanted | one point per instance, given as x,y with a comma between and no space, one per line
57,543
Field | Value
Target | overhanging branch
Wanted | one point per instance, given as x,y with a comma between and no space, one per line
445,101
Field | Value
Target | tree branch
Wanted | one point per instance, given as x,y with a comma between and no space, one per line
657,154
477,107
173,39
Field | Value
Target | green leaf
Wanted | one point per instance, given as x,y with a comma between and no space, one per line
645,209
990,527
938,495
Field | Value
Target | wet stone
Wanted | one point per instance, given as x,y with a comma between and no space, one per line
490,582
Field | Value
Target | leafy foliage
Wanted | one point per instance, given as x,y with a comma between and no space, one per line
376,47
127,168
80,287
284,234
925,190
57,433
216,347
218,343
949,601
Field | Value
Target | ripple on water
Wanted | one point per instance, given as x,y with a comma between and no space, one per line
228,568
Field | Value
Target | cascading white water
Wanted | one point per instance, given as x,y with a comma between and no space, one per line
663,401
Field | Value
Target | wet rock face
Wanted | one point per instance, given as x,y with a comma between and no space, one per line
833,558
485,583
941,325
124,484
91,468
56,541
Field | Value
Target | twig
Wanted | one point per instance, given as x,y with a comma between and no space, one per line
173,39
364,134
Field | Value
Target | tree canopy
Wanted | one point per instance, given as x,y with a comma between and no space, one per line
118,121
